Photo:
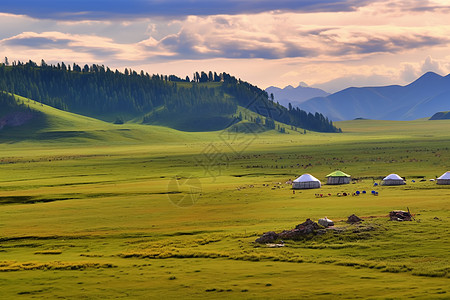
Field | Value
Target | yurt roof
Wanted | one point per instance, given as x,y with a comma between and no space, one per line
306,178
338,174
392,177
446,175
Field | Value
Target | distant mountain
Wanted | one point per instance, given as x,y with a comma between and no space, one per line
442,115
295,95
419,99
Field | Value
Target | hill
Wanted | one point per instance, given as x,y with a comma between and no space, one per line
208,102
295,95
16,113
50,125
420,99
443,115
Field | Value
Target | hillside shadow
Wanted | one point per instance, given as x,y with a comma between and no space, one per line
27,131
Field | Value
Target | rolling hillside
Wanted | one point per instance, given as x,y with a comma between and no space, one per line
207,103
420,99
49,124
22,119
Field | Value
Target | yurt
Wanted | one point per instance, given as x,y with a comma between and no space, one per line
393,179
306,181
338,177
444,179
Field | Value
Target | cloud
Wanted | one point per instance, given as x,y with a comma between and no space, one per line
390,44
37,42
279,36
409,73
430,65
95,48
383,75
261,41
408,6
338,84
108,9
264,36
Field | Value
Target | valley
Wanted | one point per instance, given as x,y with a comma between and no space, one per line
137,211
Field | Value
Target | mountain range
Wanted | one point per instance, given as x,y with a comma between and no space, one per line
420,99
295,95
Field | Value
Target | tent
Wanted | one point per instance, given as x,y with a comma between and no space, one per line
306,181
338,177
444,179
393,179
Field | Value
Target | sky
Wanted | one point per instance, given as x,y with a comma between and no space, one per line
327,44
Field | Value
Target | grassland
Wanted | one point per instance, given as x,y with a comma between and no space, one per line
89,210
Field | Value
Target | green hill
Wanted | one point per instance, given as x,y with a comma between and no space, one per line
49,124
209,102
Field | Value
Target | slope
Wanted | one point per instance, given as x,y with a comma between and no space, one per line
58,126
442,115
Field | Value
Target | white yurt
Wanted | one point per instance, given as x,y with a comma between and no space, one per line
393,179
444,179
306,181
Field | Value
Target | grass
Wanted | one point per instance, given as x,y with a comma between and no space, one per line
94,213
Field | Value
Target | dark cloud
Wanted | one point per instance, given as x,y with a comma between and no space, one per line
393,44
37,42
187,45
110,9
442,9
418,6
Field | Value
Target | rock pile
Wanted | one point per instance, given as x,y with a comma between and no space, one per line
400,215
267,237
353,219
300,231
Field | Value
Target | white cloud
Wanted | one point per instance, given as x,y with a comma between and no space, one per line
431,65
409,72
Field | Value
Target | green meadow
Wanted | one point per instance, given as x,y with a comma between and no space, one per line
93,210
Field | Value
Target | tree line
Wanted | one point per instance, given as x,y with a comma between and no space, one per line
9,104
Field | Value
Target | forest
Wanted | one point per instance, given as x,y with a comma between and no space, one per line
99,92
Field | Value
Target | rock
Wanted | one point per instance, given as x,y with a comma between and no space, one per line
267,237
400,215
308,226
353,219
325,222
293,234
301,231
